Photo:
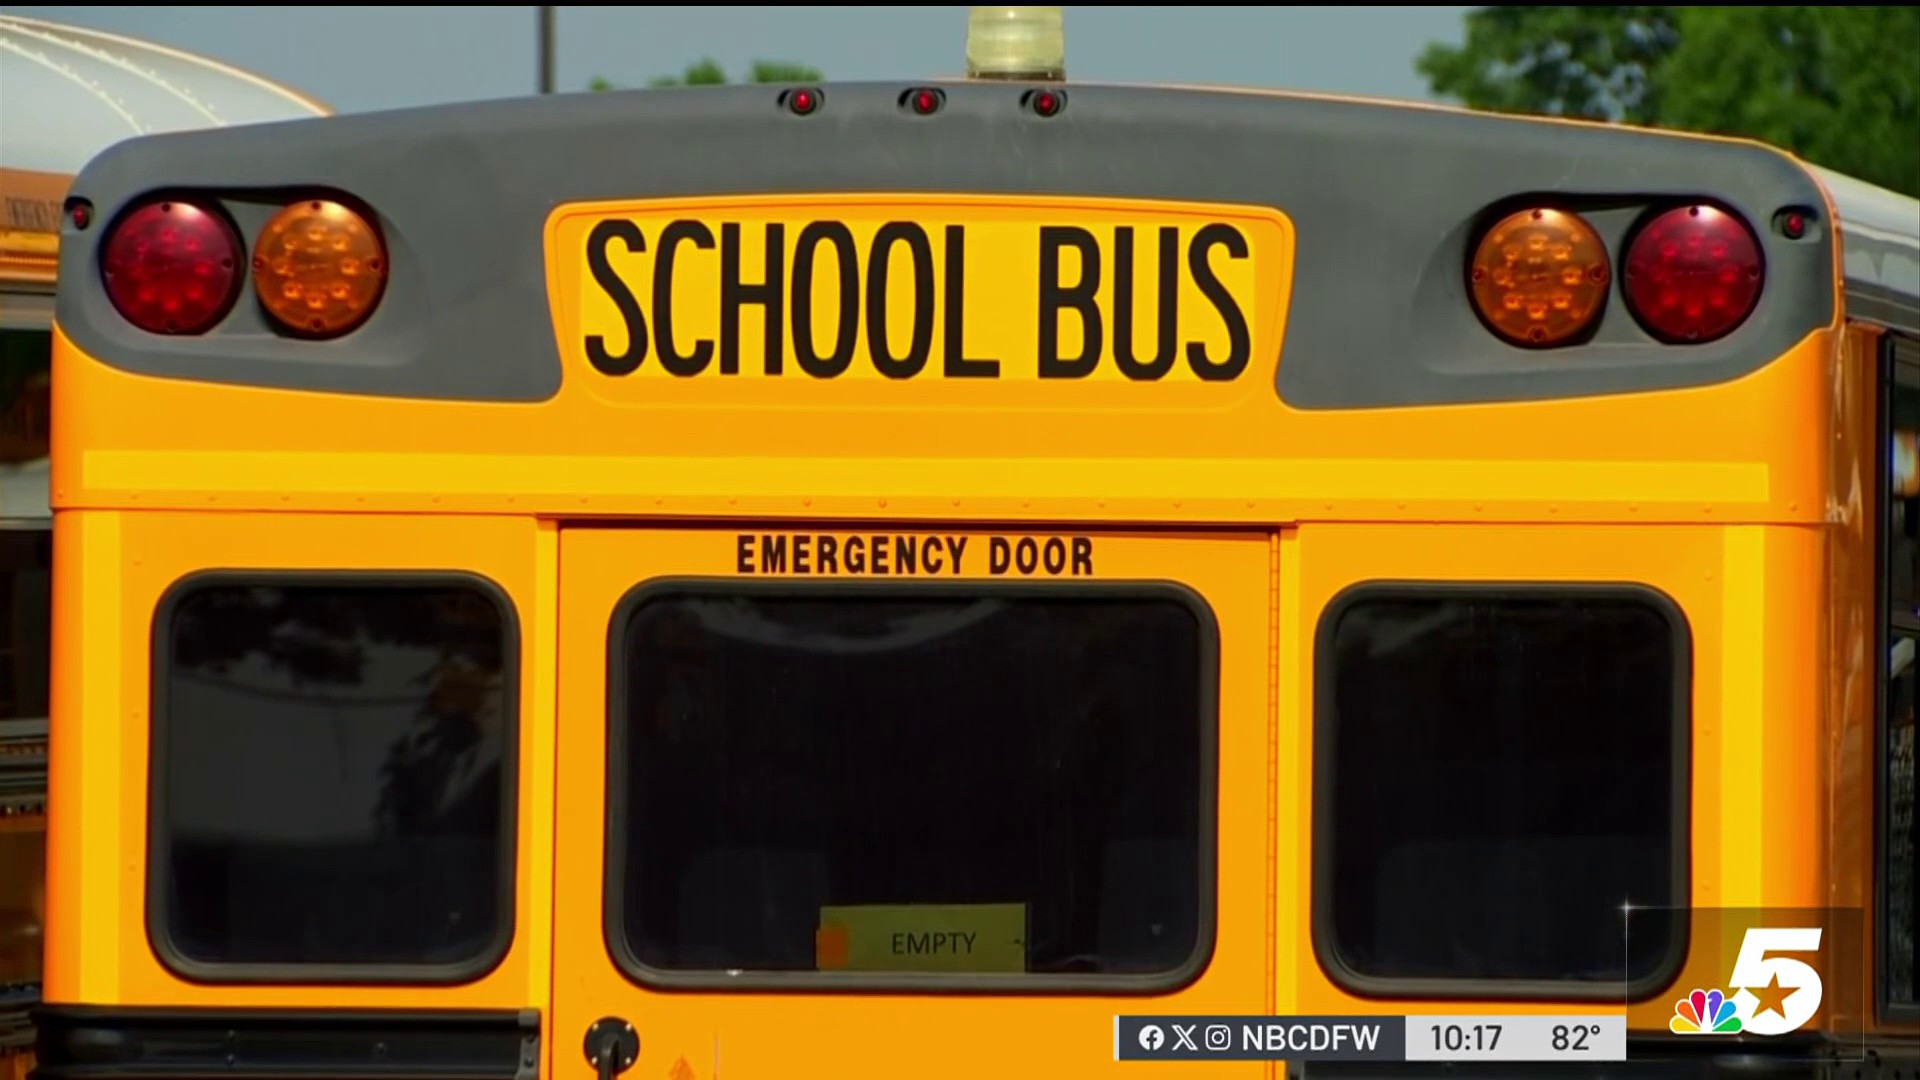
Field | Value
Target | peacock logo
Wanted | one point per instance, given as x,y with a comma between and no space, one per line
1704,1012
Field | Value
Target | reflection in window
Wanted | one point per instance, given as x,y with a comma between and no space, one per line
1503,781
1903,504
334,762
1040,756
23,901
26,525
26,549
26,620
1900,831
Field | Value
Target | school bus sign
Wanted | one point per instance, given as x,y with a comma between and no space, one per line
918,290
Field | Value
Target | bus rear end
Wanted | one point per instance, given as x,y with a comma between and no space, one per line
883,580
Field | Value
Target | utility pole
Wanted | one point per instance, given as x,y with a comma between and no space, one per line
546,50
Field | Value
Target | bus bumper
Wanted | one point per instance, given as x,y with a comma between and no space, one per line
140,1043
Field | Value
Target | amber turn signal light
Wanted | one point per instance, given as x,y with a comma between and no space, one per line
1540,276
319,268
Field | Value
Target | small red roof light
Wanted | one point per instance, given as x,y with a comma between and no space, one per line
803,101
1047,102
171,267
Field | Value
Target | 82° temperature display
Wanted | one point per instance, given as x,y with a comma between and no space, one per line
1516,1038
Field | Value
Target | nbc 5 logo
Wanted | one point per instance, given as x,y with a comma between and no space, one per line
1775,993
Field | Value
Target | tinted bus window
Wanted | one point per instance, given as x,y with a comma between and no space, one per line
1503,774
1903,499
1901,522
1047,757
333,777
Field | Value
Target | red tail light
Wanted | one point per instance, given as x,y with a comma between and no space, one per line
171,267
1693,274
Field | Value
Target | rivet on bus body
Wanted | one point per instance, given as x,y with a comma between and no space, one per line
883,502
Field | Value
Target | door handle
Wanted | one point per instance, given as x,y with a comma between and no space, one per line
612,1046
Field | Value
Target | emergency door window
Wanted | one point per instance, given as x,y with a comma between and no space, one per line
333,776
811,782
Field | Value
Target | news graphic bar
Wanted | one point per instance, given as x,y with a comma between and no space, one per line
1370,1038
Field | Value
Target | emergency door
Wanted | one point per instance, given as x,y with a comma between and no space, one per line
878,804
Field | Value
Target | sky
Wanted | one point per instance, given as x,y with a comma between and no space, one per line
364,58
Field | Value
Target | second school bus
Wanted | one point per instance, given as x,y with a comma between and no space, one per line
875,580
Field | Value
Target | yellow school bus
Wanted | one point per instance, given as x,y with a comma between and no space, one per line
907,580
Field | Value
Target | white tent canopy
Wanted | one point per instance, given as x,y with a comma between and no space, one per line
68,93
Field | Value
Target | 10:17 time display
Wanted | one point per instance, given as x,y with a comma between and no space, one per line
1467,1038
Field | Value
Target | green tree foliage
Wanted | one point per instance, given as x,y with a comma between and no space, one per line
708,72
1588,62
1840,86
776,71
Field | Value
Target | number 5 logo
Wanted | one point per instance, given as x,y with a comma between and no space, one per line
1777,993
